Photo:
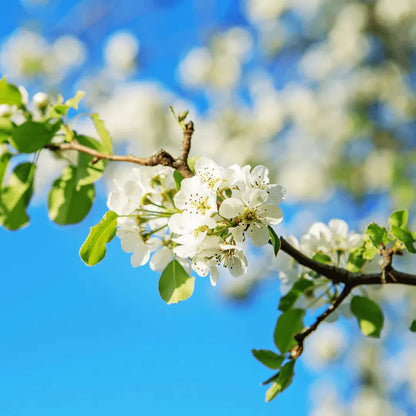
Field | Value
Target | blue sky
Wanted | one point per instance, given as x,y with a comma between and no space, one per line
100,341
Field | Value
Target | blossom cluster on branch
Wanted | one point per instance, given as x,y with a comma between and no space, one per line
202,221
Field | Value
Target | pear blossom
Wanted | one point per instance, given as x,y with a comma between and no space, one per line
333,240
203,225
130,235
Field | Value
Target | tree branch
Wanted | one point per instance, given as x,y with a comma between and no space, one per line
300,337
387,275
161,158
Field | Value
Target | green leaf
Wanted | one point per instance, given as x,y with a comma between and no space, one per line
369,315
288,325
103,133
33,135
178,179
298,288
274,239
269,358
9,93
369,250
62,108
376,234
94,248
87,172
15,197
356,260
413,326
74,102
68,203
405,236
191,163
398,218
6,128
322,258
4,162
282,382
175,284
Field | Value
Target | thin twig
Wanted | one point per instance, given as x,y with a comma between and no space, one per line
300,337
161,158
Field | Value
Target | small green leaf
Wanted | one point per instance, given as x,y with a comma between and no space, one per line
369,250
103,133
6,128
62,108
269,358
68,203
405,236
178,179
9,93
175,284
356,260
274,239
369,315
4,162
413,326
299,287
192,161
399,218
282,381
322,258
74,101
288,324
87,172
15,197
33,135
376,234
94,248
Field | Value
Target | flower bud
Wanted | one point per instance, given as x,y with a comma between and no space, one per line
41,100
6,110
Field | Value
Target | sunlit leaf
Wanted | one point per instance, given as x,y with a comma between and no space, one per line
369,315
282,381
288,324
175,284
269,358
68,203
15,197
94,248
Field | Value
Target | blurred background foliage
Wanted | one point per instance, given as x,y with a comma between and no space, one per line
320,91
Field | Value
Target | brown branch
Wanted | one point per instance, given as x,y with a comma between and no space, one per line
387,275
161,158
300,337
181,163
333,273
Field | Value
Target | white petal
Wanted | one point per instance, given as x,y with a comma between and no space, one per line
160,259
321,231
338,227
354,240
140,255
213,276
270,214
231,208
200,267
277,194
259,234
254,197
235,266
129,239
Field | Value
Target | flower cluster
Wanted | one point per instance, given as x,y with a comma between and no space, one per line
332,242
203,224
